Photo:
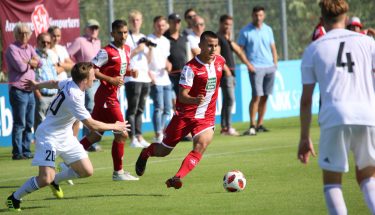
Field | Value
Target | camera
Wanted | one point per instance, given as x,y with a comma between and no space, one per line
147,42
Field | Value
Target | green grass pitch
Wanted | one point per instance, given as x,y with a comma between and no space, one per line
276,182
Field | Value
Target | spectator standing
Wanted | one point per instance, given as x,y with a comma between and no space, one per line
259,44
178,52
137,89
84,49
161,90
227,47
342,63
113,64
22,60
194,36
189,16
46,72
59,54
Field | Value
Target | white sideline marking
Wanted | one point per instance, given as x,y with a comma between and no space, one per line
178,158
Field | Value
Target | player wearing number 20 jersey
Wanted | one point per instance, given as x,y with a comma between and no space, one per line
347,86
67,107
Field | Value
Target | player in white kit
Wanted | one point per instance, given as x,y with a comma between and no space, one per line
54,136
343,64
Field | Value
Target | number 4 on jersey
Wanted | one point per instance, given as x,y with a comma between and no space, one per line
349,62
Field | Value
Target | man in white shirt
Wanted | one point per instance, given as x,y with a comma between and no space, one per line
194,36
54,136
161,89
59,54
137,89
343,64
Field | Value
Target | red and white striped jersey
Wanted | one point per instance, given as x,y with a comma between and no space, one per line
203,79
111,61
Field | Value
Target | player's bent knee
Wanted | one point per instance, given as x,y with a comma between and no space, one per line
85,172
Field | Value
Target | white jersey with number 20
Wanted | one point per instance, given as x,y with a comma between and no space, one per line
67,106
343,64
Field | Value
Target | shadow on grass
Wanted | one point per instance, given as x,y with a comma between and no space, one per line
22,208
112,195
102,196
7,187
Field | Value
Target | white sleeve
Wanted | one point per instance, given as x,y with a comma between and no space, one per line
187,77
192,43
77,107
101,58
307,67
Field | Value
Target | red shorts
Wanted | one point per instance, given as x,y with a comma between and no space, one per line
107,115
179,127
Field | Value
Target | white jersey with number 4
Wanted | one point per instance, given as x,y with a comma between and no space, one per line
342,62
67,106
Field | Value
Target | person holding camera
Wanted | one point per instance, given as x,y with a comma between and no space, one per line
137,89
161,89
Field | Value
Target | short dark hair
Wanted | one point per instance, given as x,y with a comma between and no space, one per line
118,23
52,28
188,11
158,18
207,34
225,17
258,8
40,36
81,71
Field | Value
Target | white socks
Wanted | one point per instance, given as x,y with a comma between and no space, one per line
29,186
65,175
334,199
368,189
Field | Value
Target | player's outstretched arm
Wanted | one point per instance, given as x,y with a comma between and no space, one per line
33,85
95,125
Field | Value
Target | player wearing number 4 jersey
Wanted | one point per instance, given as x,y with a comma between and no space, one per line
195,110
113,64
54,136
343,64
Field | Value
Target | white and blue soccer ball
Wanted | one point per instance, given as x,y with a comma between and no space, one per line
234,181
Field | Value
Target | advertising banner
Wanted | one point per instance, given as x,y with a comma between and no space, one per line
39,15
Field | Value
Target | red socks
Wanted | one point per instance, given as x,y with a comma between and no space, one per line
117,154
149,151
190,161
85,143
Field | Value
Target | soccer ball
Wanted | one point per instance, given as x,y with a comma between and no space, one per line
234,181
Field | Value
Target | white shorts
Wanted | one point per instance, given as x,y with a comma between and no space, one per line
336,142
46,151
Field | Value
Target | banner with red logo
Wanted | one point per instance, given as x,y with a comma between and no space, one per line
39,15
